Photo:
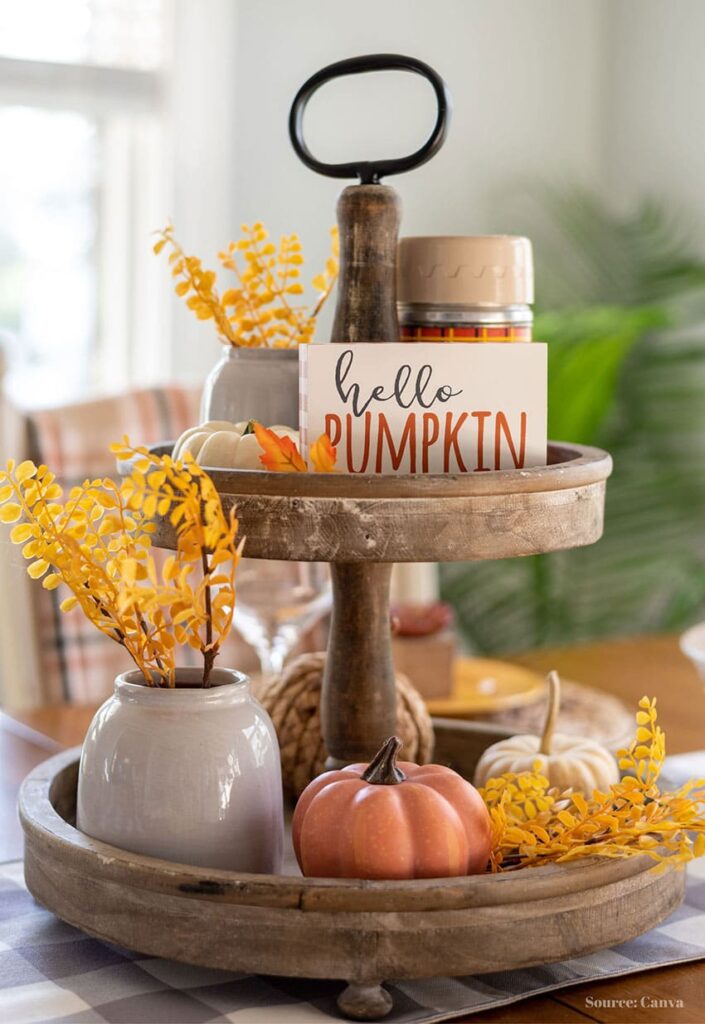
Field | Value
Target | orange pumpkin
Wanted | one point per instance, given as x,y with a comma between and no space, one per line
387,820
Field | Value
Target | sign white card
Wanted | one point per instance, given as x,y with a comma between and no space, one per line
426,408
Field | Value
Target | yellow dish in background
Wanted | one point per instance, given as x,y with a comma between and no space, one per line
482,686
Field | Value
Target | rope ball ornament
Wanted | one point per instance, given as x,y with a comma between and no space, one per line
293,702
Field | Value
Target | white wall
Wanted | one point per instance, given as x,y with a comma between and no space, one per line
521,75
607,93
201,97
653,118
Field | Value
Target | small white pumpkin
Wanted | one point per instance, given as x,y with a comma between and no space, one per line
568,762
222,445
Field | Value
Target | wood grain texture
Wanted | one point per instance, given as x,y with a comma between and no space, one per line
360,931
21,750
651,998
537,1010
568,466
358,699
64,724
630,667
366,306
349,518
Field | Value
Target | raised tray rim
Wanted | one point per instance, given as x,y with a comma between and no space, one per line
43,824
569,466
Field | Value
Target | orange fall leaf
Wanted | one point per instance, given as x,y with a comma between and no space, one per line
323,455
280,453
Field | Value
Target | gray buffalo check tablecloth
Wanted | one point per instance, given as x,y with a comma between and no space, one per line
52,972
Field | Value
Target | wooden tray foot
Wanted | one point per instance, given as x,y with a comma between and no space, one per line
364,1002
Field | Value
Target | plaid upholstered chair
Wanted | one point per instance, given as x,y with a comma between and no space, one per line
48,656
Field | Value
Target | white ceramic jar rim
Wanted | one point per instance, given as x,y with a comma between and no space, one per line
259,352
226,686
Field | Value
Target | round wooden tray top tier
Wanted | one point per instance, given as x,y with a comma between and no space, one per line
343,517
357,931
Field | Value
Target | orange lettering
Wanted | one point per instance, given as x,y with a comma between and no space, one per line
408,436
366,449
500,426
450,440
481,417
332,421
430,423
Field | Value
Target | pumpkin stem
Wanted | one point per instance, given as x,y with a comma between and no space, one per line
554,702
382,769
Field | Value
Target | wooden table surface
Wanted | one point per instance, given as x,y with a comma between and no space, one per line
628,668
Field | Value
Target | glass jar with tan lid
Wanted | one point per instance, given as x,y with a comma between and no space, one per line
465,288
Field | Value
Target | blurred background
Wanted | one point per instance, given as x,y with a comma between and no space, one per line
579,124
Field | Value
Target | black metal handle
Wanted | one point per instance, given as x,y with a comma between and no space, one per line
370,171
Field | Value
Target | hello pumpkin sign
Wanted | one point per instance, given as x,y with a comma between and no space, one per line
426,408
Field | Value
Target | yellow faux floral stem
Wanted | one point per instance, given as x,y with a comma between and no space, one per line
96,542
143,624
258,313
64,540
251,309
533,824
209,652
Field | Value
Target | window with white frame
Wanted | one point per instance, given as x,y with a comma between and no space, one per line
82,185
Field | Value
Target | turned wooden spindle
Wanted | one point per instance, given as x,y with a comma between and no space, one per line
358,700
366,310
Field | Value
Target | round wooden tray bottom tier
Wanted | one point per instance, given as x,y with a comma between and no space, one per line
360,932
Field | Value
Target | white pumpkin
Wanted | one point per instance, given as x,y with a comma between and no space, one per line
222,445
568,762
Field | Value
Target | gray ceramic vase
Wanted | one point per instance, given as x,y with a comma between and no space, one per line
254,384
185,774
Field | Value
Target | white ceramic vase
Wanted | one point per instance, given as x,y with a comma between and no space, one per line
254,384
185,774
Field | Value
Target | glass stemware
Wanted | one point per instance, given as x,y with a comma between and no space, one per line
276,603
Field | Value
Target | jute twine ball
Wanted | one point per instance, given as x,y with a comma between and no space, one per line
293,702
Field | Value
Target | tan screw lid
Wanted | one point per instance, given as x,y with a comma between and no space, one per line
480,270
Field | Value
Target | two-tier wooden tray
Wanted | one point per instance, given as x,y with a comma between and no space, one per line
361,932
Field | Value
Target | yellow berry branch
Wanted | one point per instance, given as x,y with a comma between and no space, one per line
258,311
533,824
97,543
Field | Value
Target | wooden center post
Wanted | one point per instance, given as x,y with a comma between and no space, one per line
358,702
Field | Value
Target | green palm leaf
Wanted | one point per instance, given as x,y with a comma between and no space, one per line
629,376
